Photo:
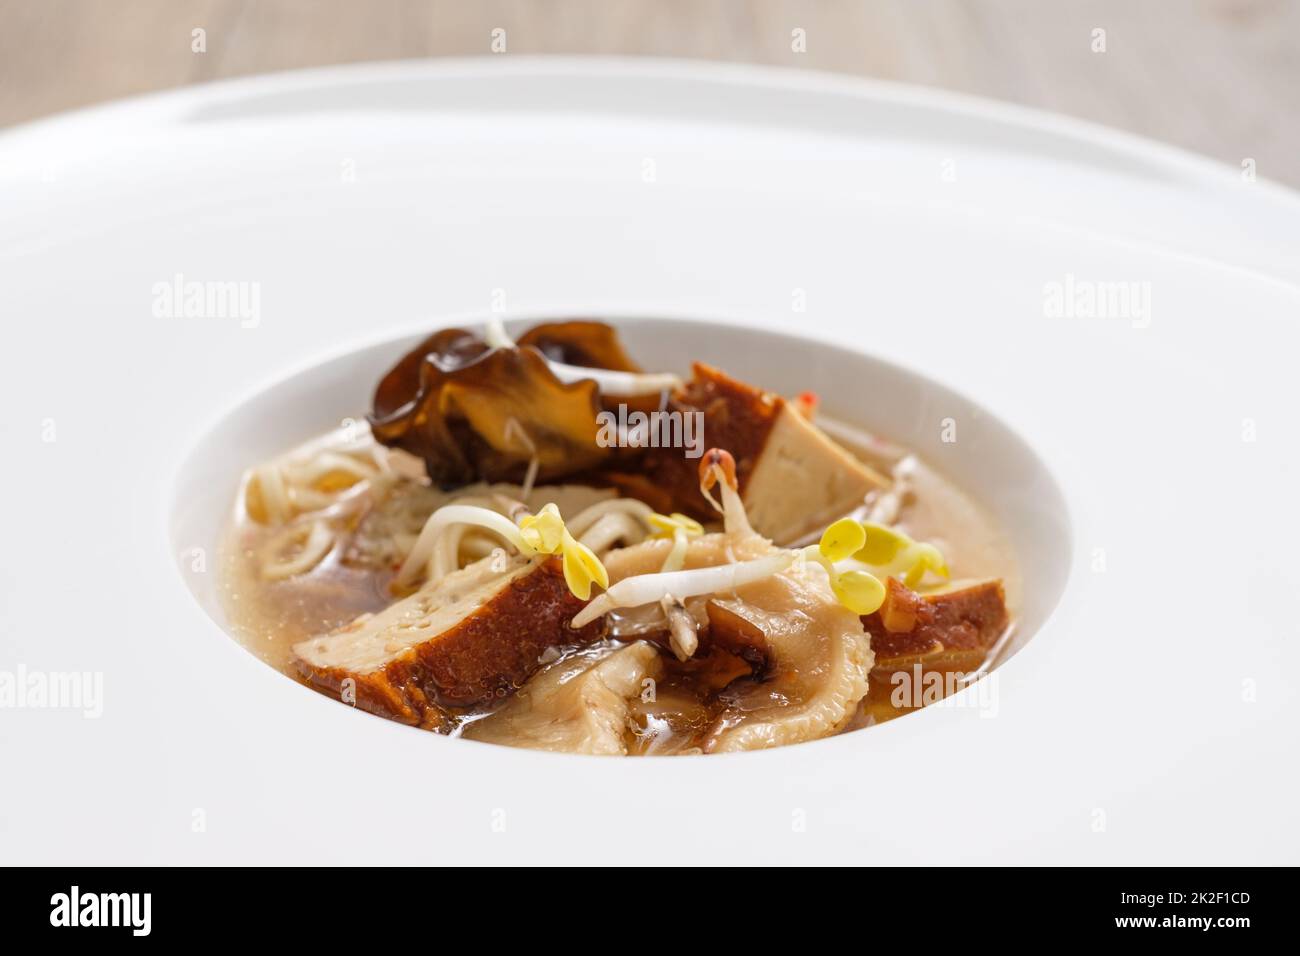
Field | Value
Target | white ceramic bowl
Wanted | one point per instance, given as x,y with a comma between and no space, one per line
1150,717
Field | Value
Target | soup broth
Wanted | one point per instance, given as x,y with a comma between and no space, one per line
356,577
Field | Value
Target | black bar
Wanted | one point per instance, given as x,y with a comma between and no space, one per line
1165,905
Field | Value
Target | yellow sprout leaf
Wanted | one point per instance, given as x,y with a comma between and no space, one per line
859,591
881,545
581,568
667,525
927,558
543,532
842,539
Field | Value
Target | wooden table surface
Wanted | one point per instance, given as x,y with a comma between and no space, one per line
1221,77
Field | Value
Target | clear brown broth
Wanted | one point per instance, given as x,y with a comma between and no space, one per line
269,617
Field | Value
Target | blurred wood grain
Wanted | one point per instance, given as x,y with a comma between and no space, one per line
1216,76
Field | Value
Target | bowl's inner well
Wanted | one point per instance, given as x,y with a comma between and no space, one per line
986,459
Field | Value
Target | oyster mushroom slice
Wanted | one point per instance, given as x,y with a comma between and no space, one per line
578,705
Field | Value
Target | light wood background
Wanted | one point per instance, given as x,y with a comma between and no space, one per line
1221,77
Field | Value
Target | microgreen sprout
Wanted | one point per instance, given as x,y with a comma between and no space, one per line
891,553
653,588
718,467
683,634
859,591
545,533
680,528
533,534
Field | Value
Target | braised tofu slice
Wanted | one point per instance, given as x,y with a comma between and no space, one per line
802,480
463,641
951,630
793,479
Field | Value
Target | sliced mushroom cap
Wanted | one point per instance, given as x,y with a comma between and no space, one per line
472,411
